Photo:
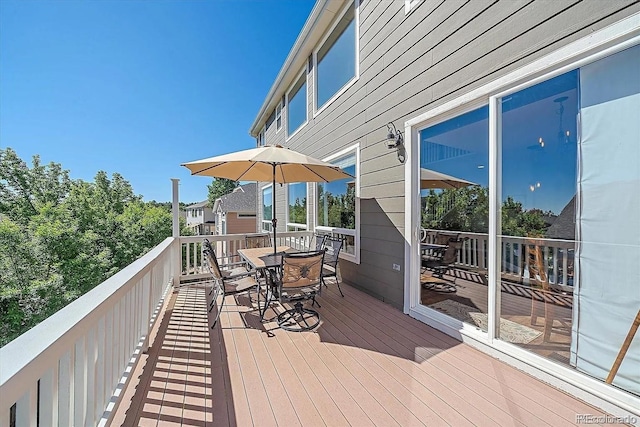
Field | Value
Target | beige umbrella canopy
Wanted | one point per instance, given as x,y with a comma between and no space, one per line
433,179
270,163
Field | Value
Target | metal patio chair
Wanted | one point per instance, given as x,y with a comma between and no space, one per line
232,281
332,245
262,240
319,240
440,263
299,279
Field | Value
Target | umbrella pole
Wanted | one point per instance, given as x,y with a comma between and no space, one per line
274,221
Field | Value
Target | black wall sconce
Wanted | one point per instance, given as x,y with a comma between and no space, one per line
395,140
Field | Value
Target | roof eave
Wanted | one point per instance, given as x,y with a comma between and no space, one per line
313,29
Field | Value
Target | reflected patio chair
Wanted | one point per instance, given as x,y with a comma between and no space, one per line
257,241
540,289
332,245
299,280
231,281
441,262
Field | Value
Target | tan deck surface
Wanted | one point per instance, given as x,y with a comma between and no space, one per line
366,364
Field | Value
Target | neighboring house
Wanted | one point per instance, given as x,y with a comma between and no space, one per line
489,92
200,218
235,213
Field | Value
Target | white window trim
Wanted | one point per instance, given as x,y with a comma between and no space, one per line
262,220
597,45
355,148
295,224
279,115
354,79
304,72
410,5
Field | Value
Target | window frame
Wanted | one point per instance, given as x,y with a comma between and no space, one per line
279,117
262,220
356,18
355,258
298,226
304,73
410,5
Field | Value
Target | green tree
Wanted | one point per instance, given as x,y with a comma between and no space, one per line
220,187
59,237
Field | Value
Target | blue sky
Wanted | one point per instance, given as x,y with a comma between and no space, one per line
138,87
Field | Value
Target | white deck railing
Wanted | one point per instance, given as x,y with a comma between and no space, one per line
558,253
226,247
69,369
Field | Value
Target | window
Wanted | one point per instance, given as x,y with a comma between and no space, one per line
336,59
297,207
267,207
337,205
297,104
261,139
279,117
409,5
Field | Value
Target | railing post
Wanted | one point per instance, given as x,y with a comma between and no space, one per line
175,207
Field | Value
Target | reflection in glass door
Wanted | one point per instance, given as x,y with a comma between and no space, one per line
539,162
454,217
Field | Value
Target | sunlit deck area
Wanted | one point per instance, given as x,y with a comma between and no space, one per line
366,364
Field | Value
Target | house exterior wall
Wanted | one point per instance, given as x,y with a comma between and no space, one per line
239,225
409,64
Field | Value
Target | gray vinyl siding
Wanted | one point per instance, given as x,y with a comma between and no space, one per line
410,64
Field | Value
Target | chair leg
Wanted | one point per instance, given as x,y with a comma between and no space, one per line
338,283
219,309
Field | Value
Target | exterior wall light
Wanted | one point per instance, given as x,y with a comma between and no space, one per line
394,136
395,140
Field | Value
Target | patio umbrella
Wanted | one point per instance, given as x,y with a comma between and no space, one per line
433,179
270,163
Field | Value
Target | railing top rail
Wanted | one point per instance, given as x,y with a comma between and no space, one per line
233,237
556,242
50,335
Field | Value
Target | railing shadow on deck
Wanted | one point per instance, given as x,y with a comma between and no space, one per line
200,398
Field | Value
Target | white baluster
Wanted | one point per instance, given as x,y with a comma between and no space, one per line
65,388
80,383
27,407
49,398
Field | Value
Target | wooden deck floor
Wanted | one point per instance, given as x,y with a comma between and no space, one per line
366,364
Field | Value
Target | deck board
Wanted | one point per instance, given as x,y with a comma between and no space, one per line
366,364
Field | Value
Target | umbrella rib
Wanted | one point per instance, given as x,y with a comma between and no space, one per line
247,170
207,168
316,173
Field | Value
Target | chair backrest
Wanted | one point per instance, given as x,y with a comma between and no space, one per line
537,267
302,270
444,238
212,263
451,252
320,241
333,245
257,241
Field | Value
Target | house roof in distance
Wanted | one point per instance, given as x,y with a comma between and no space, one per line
198,205
242,199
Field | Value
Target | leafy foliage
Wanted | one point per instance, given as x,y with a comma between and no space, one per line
337,210
59,237
220,187
467,209
298,211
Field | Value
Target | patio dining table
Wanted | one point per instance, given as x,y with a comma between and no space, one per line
265,261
